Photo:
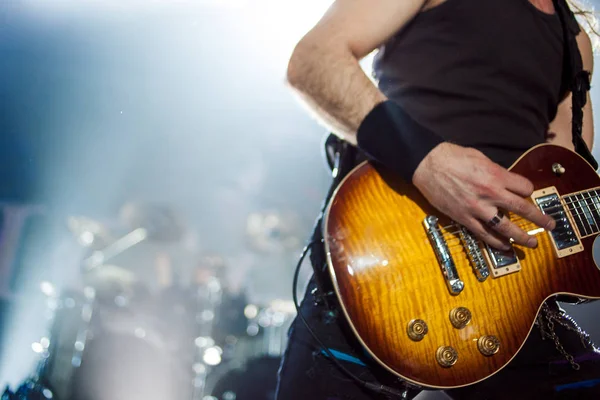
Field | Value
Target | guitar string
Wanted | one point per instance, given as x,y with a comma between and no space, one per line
575,214
524,223
460,244
456,242
529,225
519,218
588,206
453,238
462,252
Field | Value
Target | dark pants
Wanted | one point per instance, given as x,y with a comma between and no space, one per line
539,371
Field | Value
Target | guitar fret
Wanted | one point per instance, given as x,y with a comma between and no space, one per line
592,203
584,208
572,207
587,213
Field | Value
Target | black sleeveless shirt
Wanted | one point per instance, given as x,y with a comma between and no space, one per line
480,73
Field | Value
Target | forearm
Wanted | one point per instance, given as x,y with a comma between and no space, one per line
334,86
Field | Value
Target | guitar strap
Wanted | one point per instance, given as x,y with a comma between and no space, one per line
574,78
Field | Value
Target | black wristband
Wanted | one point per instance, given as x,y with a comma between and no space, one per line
389,135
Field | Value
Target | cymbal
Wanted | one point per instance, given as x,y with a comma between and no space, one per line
89,232
160,221
107,275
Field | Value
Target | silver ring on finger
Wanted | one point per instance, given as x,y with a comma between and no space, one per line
492,223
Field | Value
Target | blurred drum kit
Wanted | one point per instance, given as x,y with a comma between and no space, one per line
114,339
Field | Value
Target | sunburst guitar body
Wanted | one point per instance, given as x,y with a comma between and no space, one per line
432,304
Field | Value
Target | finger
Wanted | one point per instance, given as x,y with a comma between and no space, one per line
486,235
509,230
503,226
526,209
518,184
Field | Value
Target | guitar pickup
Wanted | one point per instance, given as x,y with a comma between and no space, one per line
442,253
503,262
564,237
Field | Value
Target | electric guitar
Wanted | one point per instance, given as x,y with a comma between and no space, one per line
430,302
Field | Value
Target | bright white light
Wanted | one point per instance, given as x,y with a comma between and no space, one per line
251,311
279,25
45,342
252,330
278,319
89,292
79,346
199,368
207,315
47,394
139,332
86,238
366,262
37,347
212,356
535,231
47,289
204,341
264,321
214,285
76,361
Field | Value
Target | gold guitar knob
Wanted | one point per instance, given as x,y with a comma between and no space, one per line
488,345
417,329
460,317
446,356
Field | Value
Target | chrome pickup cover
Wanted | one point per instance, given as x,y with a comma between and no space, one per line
564,237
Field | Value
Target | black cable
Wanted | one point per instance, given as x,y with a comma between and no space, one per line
368,385
336,163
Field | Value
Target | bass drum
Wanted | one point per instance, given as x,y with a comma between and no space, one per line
255,380
118,350
119,367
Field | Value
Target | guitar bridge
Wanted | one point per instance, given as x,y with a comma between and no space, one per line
442,253
478,262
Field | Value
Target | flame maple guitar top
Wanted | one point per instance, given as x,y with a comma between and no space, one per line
386,273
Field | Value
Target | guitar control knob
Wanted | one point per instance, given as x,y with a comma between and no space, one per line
488,345
446,356
558,169
417,329
460,317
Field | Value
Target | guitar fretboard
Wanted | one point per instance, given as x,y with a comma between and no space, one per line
585,211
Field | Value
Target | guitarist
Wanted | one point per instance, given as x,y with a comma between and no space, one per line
464,88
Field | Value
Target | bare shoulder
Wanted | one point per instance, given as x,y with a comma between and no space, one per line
433,3
362,25
585,48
